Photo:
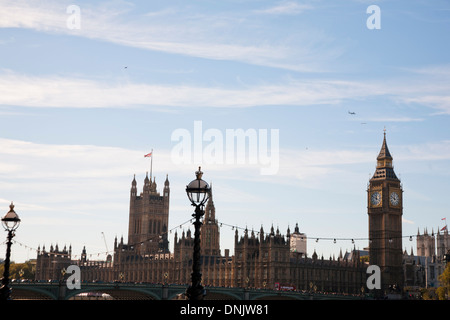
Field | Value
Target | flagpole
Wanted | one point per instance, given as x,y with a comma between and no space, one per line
445,228
151,165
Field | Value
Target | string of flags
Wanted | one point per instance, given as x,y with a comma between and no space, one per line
98,253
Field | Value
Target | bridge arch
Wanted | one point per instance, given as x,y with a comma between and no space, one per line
276,296
117,293
33,293
222,295
128,291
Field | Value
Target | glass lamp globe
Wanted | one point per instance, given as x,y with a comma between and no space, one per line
198,190
11,219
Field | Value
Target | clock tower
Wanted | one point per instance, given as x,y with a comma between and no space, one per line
385,210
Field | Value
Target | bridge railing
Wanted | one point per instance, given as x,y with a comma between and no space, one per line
58,290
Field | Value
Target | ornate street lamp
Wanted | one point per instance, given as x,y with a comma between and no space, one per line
198,192
10,222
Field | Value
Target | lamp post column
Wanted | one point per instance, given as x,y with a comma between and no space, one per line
10,222
5,291
198,192
195,291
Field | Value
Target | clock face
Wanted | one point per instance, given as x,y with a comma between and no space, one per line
375,198
394,198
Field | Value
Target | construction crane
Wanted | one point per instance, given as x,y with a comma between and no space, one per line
104,238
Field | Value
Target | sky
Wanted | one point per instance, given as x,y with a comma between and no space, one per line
87,88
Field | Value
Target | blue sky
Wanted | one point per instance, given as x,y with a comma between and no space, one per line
79,108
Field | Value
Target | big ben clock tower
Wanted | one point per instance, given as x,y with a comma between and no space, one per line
385,210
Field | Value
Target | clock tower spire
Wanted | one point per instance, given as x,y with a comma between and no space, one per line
385,210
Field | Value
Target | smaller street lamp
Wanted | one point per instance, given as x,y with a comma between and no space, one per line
447,257
198,192
10,222
21,273
63,273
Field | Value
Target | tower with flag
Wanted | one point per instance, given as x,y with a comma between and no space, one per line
149,215
442,240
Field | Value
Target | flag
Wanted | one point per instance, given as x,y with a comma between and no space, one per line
443,218
444,228
148,155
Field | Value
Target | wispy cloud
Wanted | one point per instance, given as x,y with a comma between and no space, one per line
431,151
47,162
64,92
23,159
390,119
206,36
432,90
439,102
61,92
286,8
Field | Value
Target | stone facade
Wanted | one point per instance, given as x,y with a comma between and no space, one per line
260,260
430,261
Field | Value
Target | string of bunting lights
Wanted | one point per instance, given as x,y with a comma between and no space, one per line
102,252
221,224
335,239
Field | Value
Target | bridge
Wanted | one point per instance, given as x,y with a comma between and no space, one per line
132,291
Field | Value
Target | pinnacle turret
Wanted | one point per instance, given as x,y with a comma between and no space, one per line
384,169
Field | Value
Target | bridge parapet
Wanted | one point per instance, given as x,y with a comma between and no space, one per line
131,291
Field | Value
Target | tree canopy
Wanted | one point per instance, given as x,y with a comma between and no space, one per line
19,271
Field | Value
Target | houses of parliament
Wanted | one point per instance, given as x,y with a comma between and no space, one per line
262,259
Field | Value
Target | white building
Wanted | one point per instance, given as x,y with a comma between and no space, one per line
298,242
